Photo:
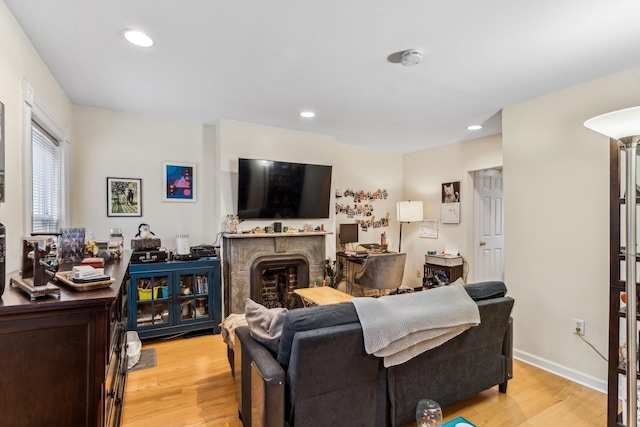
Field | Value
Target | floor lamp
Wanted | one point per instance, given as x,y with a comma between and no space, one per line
408,212
624,125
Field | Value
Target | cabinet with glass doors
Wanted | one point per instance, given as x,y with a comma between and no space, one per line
175,297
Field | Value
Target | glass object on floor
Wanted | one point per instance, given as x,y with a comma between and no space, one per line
428,414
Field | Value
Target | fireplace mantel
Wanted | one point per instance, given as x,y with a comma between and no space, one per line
272,235
241,252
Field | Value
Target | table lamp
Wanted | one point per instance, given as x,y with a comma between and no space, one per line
624,125
409,211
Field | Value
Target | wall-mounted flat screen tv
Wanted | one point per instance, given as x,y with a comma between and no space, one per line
270,189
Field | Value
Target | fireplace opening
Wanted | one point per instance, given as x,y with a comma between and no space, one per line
273,281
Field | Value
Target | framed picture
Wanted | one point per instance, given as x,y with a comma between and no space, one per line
451,192
178,182
71,244
429,229
124,197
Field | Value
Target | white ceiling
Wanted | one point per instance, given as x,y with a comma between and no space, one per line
265,61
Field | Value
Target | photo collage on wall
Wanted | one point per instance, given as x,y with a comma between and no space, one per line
362,207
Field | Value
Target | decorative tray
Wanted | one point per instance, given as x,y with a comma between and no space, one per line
66,277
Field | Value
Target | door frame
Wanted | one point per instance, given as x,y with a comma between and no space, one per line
477,206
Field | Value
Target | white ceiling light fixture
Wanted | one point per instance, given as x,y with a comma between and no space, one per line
137,38
474,127
307,114
410,57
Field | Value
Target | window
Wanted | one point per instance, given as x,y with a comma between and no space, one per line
46,144
46,181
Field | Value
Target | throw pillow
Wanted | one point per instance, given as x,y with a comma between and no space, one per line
265,324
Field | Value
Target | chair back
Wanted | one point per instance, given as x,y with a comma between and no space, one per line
382,271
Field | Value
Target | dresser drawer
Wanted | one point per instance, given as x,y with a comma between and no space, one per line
116,375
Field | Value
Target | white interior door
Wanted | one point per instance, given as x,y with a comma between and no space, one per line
489,236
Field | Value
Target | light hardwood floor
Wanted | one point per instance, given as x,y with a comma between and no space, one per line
192,386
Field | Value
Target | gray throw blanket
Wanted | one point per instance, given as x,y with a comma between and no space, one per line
228,328
400,327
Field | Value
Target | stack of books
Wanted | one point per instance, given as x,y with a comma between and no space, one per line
88,274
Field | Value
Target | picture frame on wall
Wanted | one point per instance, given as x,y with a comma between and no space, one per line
451,192
179,182
124,196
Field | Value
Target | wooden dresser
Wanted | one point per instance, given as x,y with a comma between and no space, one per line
63,360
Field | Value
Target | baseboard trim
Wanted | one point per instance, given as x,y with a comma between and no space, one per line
562,371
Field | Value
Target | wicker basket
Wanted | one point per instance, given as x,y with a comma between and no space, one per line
145,244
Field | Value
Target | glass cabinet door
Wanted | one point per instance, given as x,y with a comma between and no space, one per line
152,300
194,295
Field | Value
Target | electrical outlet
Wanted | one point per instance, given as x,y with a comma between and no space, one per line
579,326
418,273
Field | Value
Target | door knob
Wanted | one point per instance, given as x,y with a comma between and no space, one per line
483,243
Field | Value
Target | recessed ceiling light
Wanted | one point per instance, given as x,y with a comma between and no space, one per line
307,114
474,127
138,38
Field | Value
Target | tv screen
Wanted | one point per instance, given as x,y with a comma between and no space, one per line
269,189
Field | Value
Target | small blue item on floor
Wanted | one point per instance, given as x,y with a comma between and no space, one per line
459,422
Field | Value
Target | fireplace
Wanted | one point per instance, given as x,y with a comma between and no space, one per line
290,260
274,280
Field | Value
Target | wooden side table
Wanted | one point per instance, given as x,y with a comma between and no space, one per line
452,267
323,295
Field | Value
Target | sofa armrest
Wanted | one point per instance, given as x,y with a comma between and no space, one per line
262,380
507,353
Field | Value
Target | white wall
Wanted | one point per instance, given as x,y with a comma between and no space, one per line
556,175
359,168
19,62
240,139
424,173
122,145
353,167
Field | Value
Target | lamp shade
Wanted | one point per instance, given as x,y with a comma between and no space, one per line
410,211
617,124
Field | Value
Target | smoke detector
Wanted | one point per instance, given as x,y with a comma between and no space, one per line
410,57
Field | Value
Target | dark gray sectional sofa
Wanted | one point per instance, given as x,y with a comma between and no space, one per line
322,376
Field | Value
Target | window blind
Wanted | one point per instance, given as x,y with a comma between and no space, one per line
46,182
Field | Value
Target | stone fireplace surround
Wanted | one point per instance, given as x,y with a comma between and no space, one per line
243,253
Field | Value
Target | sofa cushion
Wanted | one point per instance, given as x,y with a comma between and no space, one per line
304,319
265,324
486,290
